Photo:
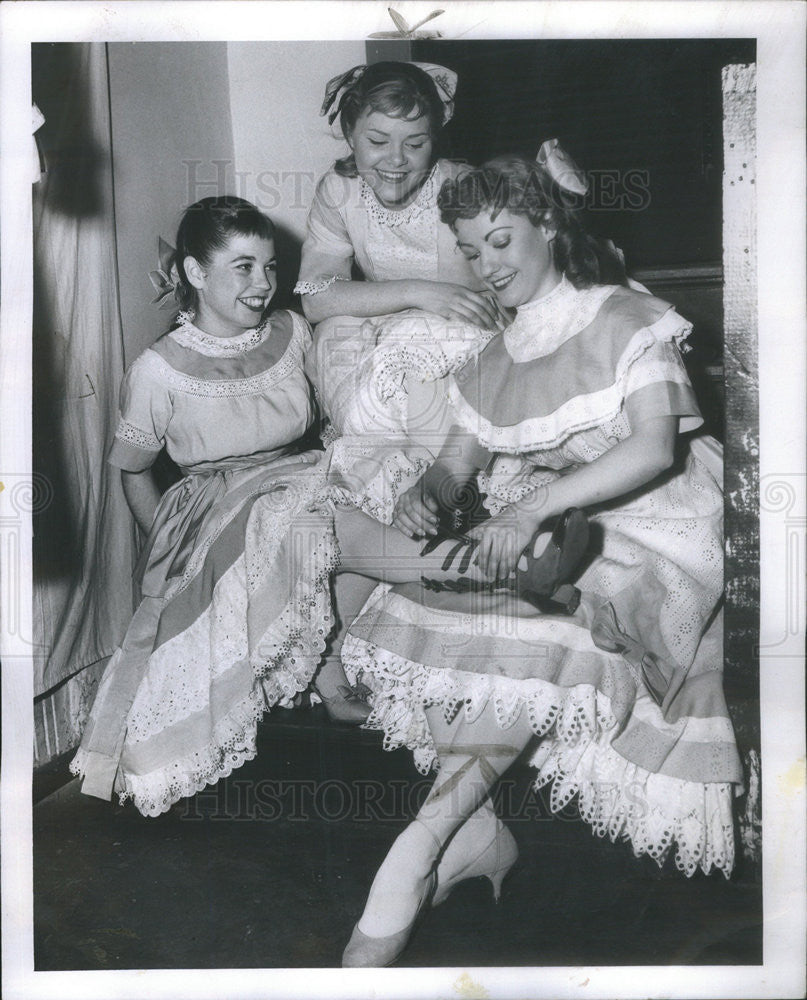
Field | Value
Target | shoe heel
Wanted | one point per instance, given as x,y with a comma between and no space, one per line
566,598
493,863
496,881
496,878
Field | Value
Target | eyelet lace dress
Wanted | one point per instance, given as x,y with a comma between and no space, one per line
234,577
364,370
548,396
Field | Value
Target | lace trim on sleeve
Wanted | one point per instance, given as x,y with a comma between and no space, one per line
428,347
134,435
312,287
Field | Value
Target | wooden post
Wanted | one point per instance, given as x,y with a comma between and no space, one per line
742,435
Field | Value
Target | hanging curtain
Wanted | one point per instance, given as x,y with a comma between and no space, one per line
84,542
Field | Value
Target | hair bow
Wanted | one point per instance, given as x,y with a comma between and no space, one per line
562,168
166,278
445,80
336,85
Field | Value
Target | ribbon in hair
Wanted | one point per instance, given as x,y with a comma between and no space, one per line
166,278
445,80
335,86
561,168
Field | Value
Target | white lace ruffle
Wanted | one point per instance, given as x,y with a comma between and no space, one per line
578,413
328,434
232,745
285,659
372,479
654,812
312,287
543,325
392,218
422,345
509,480
190,336
402,687
288,653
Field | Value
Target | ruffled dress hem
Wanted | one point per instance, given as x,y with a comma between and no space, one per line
657,813
259,673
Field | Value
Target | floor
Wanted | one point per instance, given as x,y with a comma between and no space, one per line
270,869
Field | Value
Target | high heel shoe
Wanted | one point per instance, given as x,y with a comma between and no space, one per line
544,582
493,861
555,564
349,705
370,952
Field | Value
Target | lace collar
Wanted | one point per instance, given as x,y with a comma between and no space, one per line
426,199
542,325
190,336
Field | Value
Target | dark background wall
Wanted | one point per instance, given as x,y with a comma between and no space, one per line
644,117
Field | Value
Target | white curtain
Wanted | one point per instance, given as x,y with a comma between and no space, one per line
84,541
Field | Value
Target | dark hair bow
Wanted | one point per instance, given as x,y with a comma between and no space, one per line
337,84
166,278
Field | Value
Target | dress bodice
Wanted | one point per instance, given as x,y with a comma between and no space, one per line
348,226
553,386
216,402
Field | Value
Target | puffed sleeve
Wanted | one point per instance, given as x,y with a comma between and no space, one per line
145,409
301,332
327,253
657,385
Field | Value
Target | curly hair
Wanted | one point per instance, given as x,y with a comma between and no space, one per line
206,226
525,188
397,89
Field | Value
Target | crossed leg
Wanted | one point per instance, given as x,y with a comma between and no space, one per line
473,756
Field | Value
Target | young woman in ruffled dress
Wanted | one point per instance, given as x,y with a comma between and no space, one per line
234,613
583,402
382,343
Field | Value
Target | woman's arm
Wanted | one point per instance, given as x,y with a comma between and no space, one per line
630,464
359,298
377,298
142,495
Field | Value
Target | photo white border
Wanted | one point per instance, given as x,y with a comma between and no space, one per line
779,27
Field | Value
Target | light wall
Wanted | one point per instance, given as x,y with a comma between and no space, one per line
172,143
195,119
282,145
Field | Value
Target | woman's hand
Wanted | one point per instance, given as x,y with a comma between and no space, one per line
502,539
631,464
415,512
459,303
